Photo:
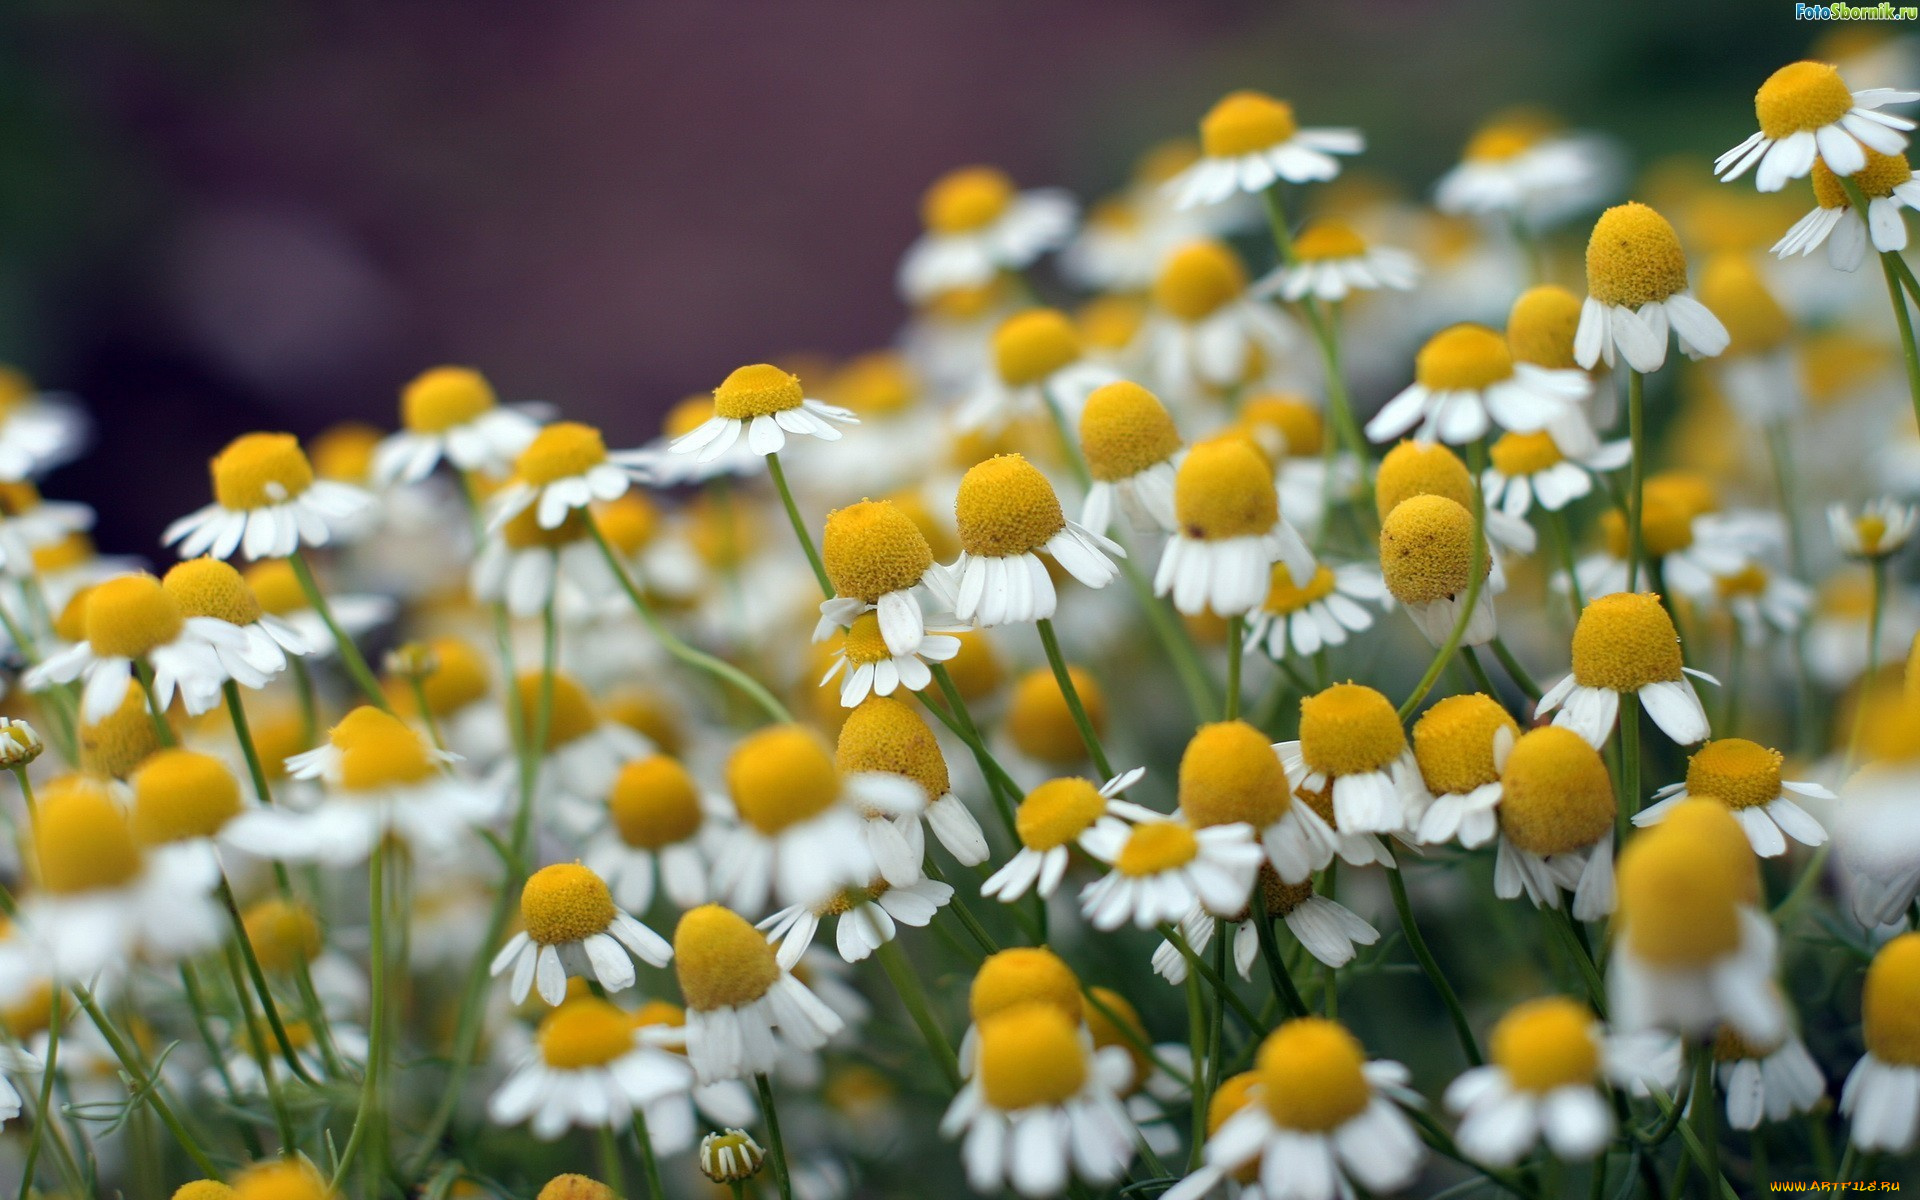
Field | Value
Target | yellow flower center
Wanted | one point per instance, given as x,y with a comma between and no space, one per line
1124,1029
780,776
178,794
1283,426
122,740
1029,1056
1463,358
863,641
1284,598
1426,550
1625,642
1729,1046
659,1012
1541,325
1198,279
1124,429
1020,976
1736,772
1032,345
1499,143
1230,773
1279,896
561,450
1111,322
628,522
1421,469
1245,122
1006,507
524,532
203,1189
207,587
1057,812
1040,723
1665,527
393,757
257,470
1157,846
276,587
1453,743
283,933
344,452
130,617
1891,729
1870,528
1546,1044
560,1187
1517,454
441,398
1732,287
565,902
758,390
1325,240
1349,729
1224,489
1311,1075
570,712
84,842
1801,96
879,384
1876,180
1634,257
459,677
654,803
1555,793
872,548
965,200
1674,914
363,723
64,554
882,734
587,1032
1890,1005
289,1180
722,961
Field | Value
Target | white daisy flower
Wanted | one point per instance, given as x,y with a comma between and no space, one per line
1532,466
573,927
1351,744
872,669
1520,166
1303,619
864,918
209,589
1466,379
662,826
1331,261
1039,364
452,413
1888,184
1626,643
1460,744
1207,333
590,1068
1249,141
1162,868
978,225
1053,818
1007,512
674,1120
875,558
1766,1082
1229,532
1230,773
133,619
527,567
1133,453
1546,1082
267,503
1556,816
1428,544
1745,776
743,1008
1882,1092
583,754
766,404
275,585
1808,114
1329,930
1695,550
31,524
1874,829
885,739
1637,292
38,430
565,467
1881,529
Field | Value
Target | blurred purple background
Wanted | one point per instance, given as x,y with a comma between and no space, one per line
219,216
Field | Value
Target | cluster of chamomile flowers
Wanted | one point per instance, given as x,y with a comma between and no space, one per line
1091,746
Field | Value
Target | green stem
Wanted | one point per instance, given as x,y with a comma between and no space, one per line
1197,1050
1562,922
1476,580
1703,1118
1514,670
161,729
43,1109
1894,268
144,1084
1428,964
369,1113
648,1163
799,526
1236,645
1283,986
610,1171
1636,477
776,1149
1478,670
907,984
202,1024
262,1057
1072,696
259,980
1348,429
1562,540
1629,761
1173,638
350,655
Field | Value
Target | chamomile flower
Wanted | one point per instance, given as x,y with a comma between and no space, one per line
582,754
1888,184
1544,1082
452,413
802,834
1765,1081
1040,726
875,557
1532,466
275,585
1052,819
1249,141
1466,379
1808,114
209,589
1230,774
1680,529
868,667
1007,512
1415,468
181,795
1745,776
978,225
864,918
1874,826
1556,815
1302,619
38,430
1228,532
1458,745
588,1067
1626,643
527,567
1426,560
1331,261
661,827
1038,364
1207,333
1637,291
1042,1106
1521,165
1690,950
566,467
1327,929
884,737
1880,530
1162,868
1351,743
1882,1092
573,927
1316,1118
730,1156
133,619
1132,449
267,503
743,1007
765,403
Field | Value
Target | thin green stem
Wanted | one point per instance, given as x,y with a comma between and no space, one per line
1562,539
158,715
1428,964
649,1165
1173,637
799,526
907,985
1071,695
1701,1132
1629,761
143,1084
369,1112
43,1109
262,1056
1514,670
1564,928
611,1173
259,981
1236,653
216,1057
1478,670
350,656
776,1149
1197,1049
1896,271
1282,979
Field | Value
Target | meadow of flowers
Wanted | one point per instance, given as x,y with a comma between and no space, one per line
1263,689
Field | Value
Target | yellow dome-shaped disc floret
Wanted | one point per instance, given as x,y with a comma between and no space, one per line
180,794
203,1189
1230,773
757,390
459,677
1156,846
1666,526
258,470
1312,1076
362,723
1325,240
1890,1004
1349,729
1671,912
122,740
131,616
780,776
293,1179
207,587
565,902
965,200
586,1032
1736,772
1057,812
275,585
1224,489
1634,257
722,961
1718,842
560,450
1508,135
1245,122
570,712
1124,429
1801,96
863,643
880,384
1541,325
1426,550
1890,728
872,548
1546,1044
83,841
1555,793
1421,469
1006,507
392,757
440,398
1731,285
654,803
1111,323
1465,357
882,734
1517,454
1041,724
1197,279
1029,1056
1283,426
1123,1028
629,522
1453,743
1625,642
1032,345
574,1187
1876,180
1024,975
283,933
1284,598
344,452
